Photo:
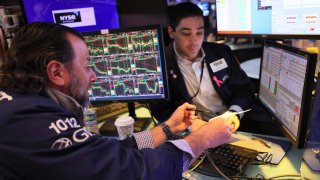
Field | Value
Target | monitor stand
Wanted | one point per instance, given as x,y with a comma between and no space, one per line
108,128
312,157
140,123
279,145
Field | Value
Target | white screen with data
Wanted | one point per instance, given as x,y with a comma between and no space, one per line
282,83
268,17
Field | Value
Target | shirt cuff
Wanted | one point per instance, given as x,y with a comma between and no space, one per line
144,139
237,109
188,155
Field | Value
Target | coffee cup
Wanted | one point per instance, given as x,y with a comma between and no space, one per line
125,126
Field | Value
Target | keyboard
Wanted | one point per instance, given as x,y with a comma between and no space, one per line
230,159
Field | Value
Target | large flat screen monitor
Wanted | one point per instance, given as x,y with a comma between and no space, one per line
78,14
285,89
272,19
129,64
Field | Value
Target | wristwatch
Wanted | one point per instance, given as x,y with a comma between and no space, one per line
167,131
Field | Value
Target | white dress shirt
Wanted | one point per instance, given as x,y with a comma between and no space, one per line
207,97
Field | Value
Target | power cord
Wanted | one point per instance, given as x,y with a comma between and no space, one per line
286,176
279,177
263,158
215,166
193,168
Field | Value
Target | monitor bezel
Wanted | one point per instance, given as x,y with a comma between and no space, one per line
79,29
159,29
269,36
306,104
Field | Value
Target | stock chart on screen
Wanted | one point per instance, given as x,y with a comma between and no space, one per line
128,63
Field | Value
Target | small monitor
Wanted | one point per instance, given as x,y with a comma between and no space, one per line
285,89
81,15
205,7
129,64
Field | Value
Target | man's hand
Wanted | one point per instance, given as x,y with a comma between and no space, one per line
179,121
209,135
182,118
196,124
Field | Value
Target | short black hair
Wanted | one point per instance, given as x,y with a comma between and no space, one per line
33,47
182,10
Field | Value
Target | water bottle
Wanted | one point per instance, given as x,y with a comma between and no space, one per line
90,119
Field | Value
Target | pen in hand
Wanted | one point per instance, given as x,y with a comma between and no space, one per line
198,110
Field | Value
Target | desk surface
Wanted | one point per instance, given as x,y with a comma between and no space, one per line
292,163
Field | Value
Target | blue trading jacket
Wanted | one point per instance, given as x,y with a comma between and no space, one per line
42,140
313,140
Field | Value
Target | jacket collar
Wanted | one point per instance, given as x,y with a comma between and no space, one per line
65,101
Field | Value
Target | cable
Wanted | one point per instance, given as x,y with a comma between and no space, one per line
201,160
202,66
286,176
215,166
265,158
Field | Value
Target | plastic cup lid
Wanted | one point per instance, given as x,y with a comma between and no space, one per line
124,121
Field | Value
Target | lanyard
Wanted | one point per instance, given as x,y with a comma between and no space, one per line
202,67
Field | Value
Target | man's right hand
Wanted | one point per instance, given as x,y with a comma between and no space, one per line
210,135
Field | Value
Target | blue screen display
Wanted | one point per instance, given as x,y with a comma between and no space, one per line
81,15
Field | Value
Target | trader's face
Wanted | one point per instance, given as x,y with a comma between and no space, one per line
81,74
188,37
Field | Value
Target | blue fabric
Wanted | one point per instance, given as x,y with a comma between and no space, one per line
314,133
42,140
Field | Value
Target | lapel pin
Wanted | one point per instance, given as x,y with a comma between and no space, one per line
218,82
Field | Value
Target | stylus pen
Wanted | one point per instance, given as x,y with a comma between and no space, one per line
242,111
198,110
206,111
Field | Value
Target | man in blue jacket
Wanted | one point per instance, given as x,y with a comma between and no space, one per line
43,87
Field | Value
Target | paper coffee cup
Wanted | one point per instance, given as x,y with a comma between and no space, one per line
125,126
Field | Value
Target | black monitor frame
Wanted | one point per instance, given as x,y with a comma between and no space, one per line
162,62
96,12
306,101
131,99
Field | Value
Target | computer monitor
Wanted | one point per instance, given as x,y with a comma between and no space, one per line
285,88
133,13
271,19
129,64
81,15
205,7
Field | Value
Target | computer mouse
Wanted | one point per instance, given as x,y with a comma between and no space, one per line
262,142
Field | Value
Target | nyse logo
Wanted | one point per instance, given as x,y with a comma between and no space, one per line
67,17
